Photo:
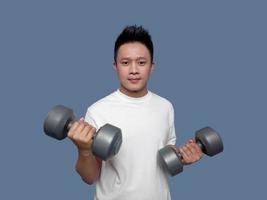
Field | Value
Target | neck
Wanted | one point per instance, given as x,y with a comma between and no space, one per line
135,94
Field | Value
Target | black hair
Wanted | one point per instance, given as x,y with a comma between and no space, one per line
134,34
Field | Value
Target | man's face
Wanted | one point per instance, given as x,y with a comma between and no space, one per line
133,66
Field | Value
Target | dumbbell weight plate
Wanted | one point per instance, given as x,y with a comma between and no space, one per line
57,121
170,160
211,142
107,141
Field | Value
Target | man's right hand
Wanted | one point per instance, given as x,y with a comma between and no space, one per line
81,133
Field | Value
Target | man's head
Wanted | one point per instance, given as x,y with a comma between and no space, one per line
132,34
133,60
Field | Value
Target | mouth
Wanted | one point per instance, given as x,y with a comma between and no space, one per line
134,80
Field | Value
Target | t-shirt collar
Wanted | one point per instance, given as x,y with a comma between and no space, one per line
134,99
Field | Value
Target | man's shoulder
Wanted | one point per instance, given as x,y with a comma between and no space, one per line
162,100
102,102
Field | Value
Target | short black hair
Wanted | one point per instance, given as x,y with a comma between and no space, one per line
134,34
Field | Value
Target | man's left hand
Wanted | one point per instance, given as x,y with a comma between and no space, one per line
190,152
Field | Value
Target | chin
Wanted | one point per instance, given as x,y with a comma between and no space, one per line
135,89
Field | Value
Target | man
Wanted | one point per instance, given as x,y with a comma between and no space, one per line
147,124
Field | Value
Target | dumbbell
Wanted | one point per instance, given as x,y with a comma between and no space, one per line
106,142
209,142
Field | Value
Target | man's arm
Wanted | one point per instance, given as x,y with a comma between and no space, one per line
88,166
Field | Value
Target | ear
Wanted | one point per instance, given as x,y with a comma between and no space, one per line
115,66
152,67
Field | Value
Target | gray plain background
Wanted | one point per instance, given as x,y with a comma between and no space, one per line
210,63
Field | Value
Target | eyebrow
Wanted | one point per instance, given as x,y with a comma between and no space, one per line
138,58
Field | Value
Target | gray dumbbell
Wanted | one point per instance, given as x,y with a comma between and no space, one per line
106,142
208,140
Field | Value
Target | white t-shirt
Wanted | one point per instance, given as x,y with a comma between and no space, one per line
147,125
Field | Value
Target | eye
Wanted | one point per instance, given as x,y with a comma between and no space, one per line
125,62
142,62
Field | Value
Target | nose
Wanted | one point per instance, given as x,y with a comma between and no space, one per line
133,68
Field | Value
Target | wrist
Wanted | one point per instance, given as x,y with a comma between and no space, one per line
85,153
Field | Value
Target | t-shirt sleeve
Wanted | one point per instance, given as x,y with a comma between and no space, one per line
89,118
171,139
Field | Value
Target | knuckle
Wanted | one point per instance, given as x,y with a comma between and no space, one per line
93,130
82,124
75,123
75,137
86,129
86,124
78,136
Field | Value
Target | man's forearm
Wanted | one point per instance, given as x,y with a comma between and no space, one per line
88,167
